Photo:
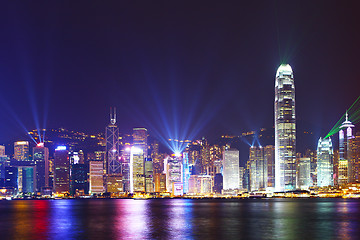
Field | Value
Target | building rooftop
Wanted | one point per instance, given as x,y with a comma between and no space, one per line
284,69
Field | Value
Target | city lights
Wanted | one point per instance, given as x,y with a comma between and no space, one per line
114,164
60,148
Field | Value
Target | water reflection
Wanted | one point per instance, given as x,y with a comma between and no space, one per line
181,219
131,222
180,216
62,220
22,216
40,219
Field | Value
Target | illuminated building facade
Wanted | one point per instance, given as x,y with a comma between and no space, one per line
76,157
186,173
2,150
137,171
177,189
41,159
174,172
160,182
354,158
125,161
112,146
207,166
336,167
269,159
3,164
149,180
21,151
11,178
114,184
258,169
200,184
61,171
313,166
325,156
345,134
140,136
303,173
285,129
96,171
231,171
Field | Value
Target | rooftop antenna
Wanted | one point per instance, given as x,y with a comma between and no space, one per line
346,116
113,116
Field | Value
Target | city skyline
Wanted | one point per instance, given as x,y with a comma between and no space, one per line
179,119
161,75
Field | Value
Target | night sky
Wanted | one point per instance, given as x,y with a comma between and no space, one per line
182,70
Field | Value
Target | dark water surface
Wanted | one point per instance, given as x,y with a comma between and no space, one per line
180,219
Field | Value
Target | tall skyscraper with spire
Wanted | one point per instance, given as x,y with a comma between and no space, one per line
285,129
112,145
345,134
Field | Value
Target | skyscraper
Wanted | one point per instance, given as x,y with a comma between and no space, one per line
125,160
41,159
303,173
149,179
186,171
231,170
62,171
112,146
354,147
313,166
140,139
285,129
96,169
21,150
269,158
137,170
79,179
344,168
3,163
325,156
258,169
2,150
174,172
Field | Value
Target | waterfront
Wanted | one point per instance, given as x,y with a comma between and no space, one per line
180,219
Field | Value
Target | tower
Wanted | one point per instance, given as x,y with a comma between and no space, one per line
174,172
112,145
325,156
258,168
62,170
231,170
345,134
137,170
285,129
41,159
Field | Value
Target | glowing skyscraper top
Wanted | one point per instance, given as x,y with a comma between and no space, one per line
285,129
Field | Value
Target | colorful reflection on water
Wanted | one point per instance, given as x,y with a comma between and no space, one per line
180,219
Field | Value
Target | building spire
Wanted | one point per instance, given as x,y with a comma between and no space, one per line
346,116
113,116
